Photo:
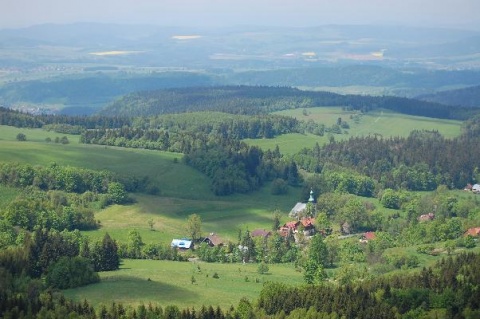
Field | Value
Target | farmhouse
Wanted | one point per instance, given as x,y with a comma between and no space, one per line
213,240
182,243
370,235
261,233
308,226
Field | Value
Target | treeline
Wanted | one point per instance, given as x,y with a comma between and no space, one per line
235,167
63,259
55,177
447,290
169,132
261,100
223,124
68,178
60,123
52,210
60,197
422,161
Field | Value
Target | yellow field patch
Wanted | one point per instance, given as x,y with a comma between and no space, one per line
106,53
186,37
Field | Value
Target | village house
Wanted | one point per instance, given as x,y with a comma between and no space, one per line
474,232
213,240
366,237
308,225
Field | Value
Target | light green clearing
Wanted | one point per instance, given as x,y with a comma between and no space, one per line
382,123
224,216
171,283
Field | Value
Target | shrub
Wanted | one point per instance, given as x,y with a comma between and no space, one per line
70,273
21,137
262,268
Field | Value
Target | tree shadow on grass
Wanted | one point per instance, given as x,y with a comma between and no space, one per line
128,289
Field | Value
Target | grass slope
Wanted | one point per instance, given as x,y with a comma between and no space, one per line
184,191
383,123
171,283
173,179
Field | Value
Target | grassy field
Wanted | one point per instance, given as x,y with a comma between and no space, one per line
173,179
382,123
224,216
171,283
184,191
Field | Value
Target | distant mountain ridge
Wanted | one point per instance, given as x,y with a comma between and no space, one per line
262,100
469,97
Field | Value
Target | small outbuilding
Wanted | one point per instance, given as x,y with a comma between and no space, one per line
182,243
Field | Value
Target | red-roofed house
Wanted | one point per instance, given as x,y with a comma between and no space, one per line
474,231
308,226
369,235
289,227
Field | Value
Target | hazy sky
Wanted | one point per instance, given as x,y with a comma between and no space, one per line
457,13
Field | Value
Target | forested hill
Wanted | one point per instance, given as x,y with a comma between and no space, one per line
262,99
469,96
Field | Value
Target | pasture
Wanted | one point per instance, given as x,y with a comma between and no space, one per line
170,283
381,123
184,191
173,179
224,216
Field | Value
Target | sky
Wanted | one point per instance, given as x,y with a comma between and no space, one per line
428,13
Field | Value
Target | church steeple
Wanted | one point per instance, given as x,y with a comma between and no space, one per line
311,199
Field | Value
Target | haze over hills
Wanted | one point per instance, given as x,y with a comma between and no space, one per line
85,66
239,47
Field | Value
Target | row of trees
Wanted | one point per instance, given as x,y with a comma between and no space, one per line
433,291
55,177
38,254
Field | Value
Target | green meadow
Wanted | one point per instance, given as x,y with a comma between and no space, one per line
170,283
382,123
173,179
184,191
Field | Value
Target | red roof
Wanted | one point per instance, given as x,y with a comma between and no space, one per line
370,235
308,222
293,224
475,231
